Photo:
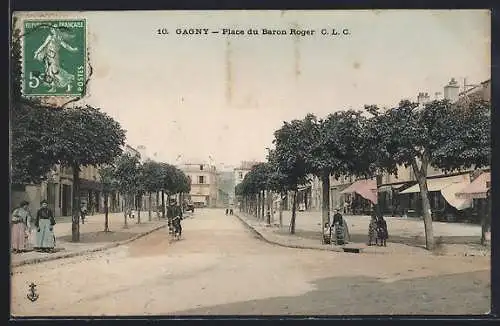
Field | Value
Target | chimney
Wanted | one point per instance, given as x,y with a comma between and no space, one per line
423,98
451,91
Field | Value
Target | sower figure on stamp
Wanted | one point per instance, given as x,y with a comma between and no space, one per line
44,222
48,53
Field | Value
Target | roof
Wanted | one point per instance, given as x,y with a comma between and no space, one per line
247,165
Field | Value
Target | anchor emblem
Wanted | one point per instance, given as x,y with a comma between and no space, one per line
32,295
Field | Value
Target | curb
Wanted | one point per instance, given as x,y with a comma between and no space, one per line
263,238
84,252
331,249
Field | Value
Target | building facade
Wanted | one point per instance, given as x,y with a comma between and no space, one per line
204,188
241,171
399,195
57,189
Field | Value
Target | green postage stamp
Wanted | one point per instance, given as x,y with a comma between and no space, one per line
54,57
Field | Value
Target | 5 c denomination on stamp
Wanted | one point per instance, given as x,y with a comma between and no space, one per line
54,57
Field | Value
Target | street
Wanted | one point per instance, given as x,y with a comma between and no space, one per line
220,267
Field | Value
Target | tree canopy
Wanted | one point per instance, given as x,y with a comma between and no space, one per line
86,136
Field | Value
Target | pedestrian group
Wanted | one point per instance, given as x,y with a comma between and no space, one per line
29,232
377,229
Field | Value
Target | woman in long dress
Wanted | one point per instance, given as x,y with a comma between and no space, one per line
372,230
19,231
44,222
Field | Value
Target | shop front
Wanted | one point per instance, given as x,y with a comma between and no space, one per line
360,196
444,202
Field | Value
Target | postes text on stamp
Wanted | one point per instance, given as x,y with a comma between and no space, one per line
54,57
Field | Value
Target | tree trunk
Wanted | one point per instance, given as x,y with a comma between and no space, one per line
294,213
106,212
157,208
281,210
268,213
127,205
325,205
263,205
75,225
257,203
139,207
163,204
485,220
426,206
150,204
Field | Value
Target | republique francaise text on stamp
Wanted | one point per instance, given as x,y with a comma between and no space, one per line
54,57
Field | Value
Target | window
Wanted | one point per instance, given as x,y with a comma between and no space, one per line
201,179
201,168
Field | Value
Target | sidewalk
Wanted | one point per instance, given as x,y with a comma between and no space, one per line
308,236
92,237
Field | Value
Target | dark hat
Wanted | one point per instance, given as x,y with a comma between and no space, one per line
24,203
43,202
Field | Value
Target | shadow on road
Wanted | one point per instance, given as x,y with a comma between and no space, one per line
414,241
100,236
466,293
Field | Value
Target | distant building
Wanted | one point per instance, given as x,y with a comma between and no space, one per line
127,149
204,188
242,170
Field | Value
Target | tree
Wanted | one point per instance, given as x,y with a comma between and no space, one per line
108,183
278,182
260,175
291,152
336,148
139,191
31,127
151,179
437,134
127,180
85,136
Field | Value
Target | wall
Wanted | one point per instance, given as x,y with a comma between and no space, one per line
237,173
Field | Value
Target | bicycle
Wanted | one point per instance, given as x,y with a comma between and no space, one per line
176,228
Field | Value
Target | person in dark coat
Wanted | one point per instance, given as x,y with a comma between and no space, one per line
382,233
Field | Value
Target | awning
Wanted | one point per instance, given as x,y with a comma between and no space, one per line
437,184
449,187
389,187
365,188
450,195
478,187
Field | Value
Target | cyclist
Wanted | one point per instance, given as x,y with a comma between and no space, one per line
174,215
177,218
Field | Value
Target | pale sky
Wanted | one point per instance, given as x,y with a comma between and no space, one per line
224,96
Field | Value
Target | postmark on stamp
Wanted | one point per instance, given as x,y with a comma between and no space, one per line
54,57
